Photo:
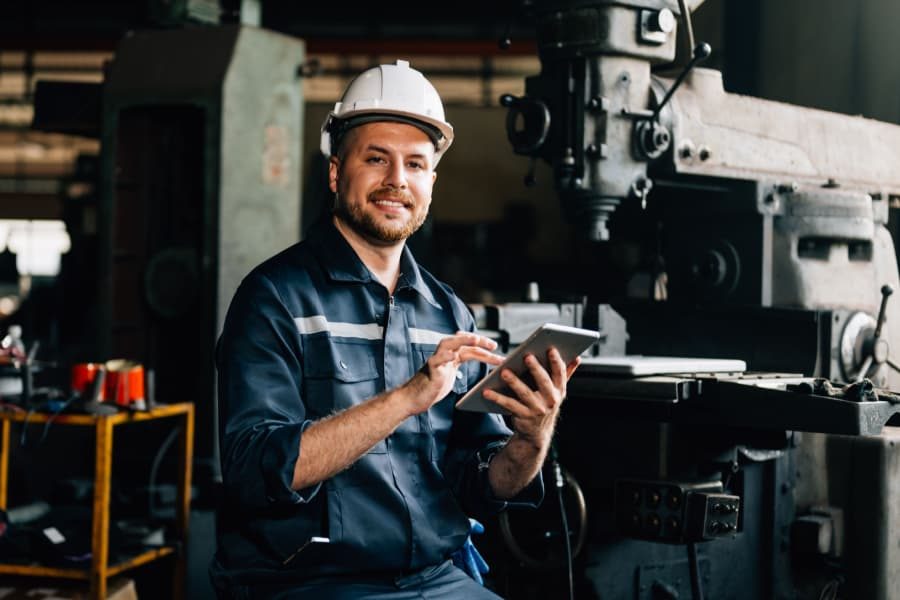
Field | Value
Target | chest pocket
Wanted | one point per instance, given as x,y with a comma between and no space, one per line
460,385
439,418
339,373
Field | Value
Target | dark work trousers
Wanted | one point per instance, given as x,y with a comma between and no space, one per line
441,582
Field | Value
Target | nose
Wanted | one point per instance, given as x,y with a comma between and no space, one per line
395,177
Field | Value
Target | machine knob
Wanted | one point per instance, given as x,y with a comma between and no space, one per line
652,139
860,343
662,21
855,360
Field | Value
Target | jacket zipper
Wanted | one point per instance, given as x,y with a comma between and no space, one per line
387,320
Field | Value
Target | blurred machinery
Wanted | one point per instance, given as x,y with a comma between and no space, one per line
200,181
766,226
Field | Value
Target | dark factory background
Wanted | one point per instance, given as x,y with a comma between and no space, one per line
153,151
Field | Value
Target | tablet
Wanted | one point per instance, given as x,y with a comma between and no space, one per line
570,341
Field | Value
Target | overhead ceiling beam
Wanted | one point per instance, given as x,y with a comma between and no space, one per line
416,46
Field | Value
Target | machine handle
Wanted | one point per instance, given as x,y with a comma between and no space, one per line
701,53
878,350
535,122
886,292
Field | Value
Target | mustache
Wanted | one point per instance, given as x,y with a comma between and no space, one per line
391,194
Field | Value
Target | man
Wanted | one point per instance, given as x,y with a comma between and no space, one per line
347,472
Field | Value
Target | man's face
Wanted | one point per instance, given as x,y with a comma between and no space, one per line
383,178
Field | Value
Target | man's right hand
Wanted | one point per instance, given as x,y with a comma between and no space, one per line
435,379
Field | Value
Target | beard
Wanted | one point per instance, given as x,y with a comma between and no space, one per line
387,231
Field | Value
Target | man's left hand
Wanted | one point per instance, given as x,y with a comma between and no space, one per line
534,411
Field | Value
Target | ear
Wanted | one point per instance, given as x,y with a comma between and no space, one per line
334,165
433,177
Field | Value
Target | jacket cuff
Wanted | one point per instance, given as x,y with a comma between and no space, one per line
278,459
530,496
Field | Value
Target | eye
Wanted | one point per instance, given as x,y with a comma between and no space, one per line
375,160
415,165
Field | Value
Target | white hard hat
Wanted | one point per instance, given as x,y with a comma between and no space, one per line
389,93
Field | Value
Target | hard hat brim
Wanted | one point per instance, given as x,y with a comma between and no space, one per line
342,126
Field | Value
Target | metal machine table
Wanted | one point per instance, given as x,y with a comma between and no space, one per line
769,401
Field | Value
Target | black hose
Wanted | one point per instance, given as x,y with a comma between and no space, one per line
693,563
560,483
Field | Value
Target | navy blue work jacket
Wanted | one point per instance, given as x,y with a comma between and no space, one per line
310,332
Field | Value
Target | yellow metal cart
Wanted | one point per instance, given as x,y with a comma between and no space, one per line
104,426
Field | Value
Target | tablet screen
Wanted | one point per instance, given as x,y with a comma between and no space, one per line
569,341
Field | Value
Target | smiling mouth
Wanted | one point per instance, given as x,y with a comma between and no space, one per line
391,202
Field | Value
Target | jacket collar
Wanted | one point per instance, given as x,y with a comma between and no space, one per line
341,263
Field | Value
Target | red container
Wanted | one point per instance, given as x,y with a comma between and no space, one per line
125,384
83,375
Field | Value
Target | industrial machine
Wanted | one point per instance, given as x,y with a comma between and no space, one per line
765,225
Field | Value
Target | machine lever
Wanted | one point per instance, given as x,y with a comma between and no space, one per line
701,53
864,368
878,350
652,138
886,292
